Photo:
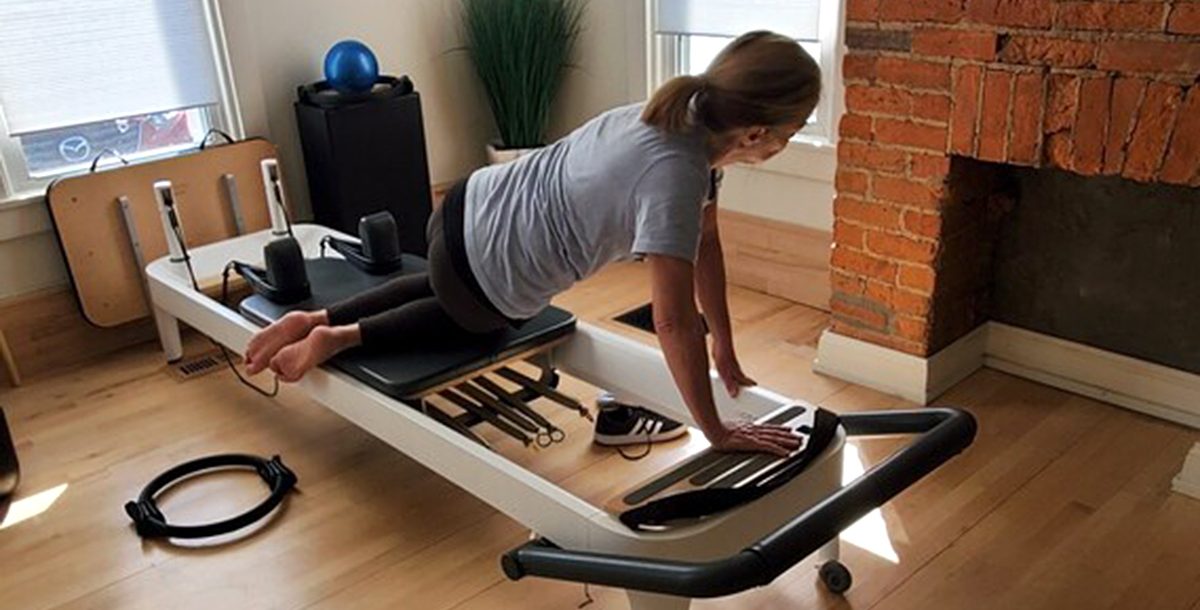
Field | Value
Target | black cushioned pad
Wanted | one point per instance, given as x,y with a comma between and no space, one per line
409,370
741,477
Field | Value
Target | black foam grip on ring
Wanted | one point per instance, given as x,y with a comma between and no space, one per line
150,522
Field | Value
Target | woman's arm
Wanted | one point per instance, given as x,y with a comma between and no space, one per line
710,279
710,288
677,324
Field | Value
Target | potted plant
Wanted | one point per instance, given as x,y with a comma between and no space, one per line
520,49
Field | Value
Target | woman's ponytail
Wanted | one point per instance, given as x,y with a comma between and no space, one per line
668,108
759,79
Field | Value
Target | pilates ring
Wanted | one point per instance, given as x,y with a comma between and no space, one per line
150,522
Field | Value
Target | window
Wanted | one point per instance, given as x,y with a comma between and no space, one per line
134,78
688,34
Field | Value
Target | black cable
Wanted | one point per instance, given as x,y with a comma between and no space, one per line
277,185
187,262
214,131
228,359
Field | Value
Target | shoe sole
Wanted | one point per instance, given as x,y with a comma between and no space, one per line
625,439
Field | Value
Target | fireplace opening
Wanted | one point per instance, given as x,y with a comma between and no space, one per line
1098,260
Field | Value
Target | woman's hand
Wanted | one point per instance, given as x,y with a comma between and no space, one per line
730,370
746,436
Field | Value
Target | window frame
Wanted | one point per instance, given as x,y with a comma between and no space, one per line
17,188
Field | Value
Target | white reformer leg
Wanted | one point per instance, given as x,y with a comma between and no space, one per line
639,600
168,334
832,551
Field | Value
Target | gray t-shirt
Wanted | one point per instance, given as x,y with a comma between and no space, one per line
612,189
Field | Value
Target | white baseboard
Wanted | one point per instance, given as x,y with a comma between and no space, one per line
912,378
1188,481
1150,388
1143,386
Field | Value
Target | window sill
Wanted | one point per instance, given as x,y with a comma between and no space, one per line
22,199
806,157
22,216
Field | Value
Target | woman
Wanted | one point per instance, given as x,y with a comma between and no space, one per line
634,181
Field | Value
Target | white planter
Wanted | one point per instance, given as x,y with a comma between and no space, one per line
497,156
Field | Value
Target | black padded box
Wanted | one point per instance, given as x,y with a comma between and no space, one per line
365,156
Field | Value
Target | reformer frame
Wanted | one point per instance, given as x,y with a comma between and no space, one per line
576,540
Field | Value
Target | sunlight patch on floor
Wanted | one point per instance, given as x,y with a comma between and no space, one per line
869,533
32,506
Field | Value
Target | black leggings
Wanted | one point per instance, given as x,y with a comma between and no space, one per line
442,303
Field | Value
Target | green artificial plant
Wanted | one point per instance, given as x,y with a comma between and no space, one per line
520,49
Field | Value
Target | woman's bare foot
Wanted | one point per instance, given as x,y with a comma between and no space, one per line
289,329
293,361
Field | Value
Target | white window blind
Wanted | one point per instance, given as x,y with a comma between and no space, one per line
70,62
797,19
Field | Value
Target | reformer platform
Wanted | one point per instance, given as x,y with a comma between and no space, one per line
578,538
410,371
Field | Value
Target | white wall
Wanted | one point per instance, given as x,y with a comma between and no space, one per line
29,255
796,187
611,64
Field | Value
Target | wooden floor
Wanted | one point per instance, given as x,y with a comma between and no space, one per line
1062,502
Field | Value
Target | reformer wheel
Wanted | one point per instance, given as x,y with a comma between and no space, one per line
835,576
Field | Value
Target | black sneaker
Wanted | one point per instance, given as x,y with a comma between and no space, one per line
621,424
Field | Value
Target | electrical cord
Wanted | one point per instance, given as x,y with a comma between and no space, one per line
187,261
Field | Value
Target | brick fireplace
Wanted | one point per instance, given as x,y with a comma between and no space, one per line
1093,88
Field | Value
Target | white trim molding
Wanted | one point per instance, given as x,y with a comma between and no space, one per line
1154,389
1188,480
1143,386
23,217
913,378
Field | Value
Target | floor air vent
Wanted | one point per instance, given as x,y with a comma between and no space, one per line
197,366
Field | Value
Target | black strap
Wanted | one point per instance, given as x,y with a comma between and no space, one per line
150,522
105,153
215,132
698,503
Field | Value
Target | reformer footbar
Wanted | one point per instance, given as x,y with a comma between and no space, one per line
724,552
943,434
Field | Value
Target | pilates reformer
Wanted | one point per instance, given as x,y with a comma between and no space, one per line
786,509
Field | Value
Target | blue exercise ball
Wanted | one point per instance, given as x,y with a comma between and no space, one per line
351,67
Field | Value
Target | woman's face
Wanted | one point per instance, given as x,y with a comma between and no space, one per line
757,144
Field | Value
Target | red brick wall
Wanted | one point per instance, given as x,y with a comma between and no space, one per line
1089,87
